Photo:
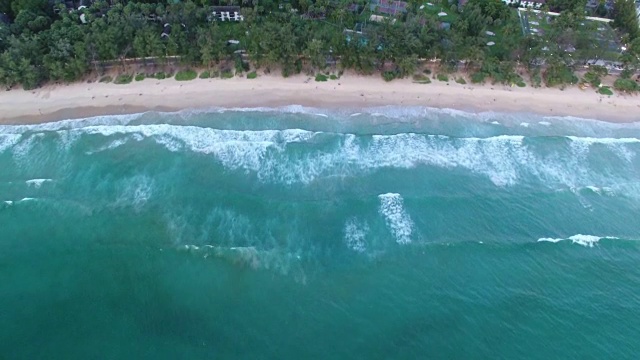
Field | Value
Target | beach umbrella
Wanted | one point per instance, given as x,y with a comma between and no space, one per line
490,43
442,13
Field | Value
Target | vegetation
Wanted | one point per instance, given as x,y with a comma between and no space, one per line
461,81
186,75
106,79
227,74
140,77
605,90
625,85
205,75
159,75
389,75
536,79
252,75
321,77
421,79
123,79
559,75
594,75
484,39
626,17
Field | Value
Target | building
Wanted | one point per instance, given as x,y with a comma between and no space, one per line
378,18
524,4
532,4
388,7
4,19
166,30
225,13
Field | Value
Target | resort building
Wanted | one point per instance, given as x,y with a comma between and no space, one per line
533,4
4,19
388,7
226,13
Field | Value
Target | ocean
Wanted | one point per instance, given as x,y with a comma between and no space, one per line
301,233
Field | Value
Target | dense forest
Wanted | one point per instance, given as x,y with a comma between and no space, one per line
56,41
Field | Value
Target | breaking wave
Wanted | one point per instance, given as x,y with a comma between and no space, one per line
355,233
584,240
398,220
37,183
506,160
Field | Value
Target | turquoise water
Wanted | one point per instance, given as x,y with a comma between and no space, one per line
295,233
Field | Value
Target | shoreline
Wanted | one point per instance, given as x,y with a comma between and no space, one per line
83,100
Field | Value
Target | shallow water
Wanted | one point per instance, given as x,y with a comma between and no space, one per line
307,233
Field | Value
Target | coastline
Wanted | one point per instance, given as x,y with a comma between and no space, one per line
82,100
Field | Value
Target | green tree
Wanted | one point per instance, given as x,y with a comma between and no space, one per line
625,17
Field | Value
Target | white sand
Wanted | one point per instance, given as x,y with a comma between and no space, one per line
78,100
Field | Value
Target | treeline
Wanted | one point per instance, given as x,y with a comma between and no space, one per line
48,42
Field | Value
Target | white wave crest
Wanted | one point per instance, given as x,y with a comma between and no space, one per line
593,140
70,124
584,240
136,191
354,235
22,148
600,190
505,160
398,220
552,240
8,140
37,183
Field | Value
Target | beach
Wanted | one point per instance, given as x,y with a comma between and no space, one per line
81,100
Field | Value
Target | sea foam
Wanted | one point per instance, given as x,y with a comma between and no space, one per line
398,220
37,183
584,240
136,191
8,140
355,233
71,124
505,160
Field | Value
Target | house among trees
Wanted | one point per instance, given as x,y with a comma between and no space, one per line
535,4
355,8
226,13
4,20
166,31
378,18
56,5
388,7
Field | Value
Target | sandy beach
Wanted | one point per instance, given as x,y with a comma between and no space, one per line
80,100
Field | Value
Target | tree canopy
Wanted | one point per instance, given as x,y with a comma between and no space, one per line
48,42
